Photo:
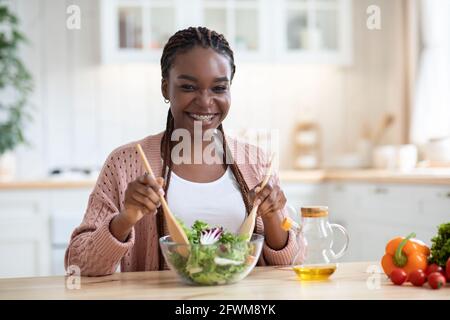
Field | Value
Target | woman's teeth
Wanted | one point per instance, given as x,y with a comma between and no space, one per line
202,117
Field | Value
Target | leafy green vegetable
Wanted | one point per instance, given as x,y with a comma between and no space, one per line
440,248
228,237
202,265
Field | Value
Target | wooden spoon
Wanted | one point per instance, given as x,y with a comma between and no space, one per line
248,225
175,230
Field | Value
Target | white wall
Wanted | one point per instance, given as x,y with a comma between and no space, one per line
84,109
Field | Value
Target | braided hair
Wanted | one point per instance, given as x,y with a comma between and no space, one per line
181,42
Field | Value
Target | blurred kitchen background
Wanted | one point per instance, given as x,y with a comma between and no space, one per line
358,92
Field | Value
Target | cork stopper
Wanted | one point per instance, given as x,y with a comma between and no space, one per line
314,211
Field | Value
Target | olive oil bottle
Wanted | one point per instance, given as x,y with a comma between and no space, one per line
315,259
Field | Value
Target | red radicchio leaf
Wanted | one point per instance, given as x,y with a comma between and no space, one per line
210,236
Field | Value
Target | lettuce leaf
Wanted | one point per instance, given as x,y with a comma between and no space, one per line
440,248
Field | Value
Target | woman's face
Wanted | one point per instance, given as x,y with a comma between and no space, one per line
198,88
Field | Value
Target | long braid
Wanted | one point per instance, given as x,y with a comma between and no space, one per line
166,170
181,42
243,187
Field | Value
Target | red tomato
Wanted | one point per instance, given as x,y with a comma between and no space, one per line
447,269
433,268
436,280
398,276
417,277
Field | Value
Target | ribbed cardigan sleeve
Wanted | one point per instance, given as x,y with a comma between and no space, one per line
92,248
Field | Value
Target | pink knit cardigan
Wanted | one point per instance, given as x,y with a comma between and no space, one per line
97,252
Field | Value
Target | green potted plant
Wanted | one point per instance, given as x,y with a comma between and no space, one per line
15,87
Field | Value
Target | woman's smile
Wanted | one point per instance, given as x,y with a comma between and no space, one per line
205,118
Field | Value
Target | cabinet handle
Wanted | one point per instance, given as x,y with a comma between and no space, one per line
380,190
445,195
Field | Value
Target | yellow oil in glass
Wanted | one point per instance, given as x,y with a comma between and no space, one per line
314,272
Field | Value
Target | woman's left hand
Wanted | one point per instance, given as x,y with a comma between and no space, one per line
271,200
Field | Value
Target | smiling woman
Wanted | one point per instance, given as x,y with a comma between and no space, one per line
198,88
124,219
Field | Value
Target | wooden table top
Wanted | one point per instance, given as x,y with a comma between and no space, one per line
351,281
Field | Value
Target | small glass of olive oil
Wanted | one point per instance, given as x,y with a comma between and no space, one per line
314,272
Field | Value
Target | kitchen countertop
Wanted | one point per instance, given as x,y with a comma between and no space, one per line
350,281
417,176
47,184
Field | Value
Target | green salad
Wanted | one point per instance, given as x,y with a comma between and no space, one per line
216,256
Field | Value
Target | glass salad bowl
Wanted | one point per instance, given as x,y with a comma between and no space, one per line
212,263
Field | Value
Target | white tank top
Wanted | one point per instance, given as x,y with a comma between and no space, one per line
218,203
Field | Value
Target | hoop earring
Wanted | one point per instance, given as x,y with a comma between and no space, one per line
166,100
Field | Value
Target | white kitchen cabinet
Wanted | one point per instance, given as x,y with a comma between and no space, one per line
342,199
435,206
434,209
375,213
311,31
242,23
137,30
66,208
314,31
24,234
411,208
35,228
134,31
303,194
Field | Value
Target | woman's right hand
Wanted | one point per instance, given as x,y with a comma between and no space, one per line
141,198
